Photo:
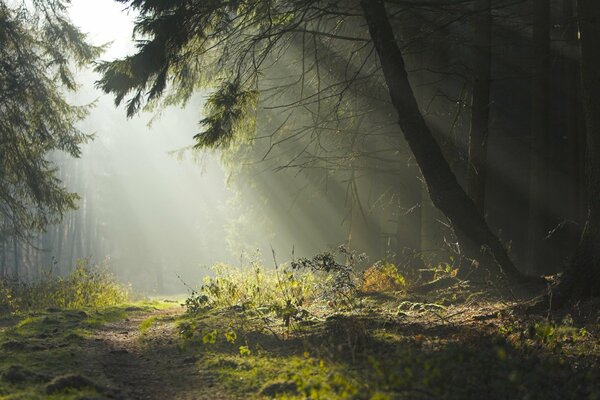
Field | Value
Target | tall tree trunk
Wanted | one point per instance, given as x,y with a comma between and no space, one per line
74,233
575,131
17,259
3,258
583,278
61,229
539,132
480,104
409,221
469,225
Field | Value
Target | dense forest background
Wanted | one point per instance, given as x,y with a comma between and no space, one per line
309,140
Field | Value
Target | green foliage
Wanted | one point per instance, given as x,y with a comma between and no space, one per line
339,285
245,351
382,277
220,46
146,325
370,351
552,334
52,343
227,115
262,291
87,286
39,46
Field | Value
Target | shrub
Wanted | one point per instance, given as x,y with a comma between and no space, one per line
382,277
280,291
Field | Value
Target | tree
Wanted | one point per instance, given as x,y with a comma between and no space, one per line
582,279
38,48
539,130
480,104
192,44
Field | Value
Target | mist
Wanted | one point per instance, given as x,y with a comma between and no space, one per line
157,211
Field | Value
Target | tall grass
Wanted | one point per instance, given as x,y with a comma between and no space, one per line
88,285
253,287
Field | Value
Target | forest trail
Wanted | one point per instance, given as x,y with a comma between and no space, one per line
141,358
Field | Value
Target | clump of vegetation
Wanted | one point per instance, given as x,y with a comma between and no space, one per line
382,277
338,283
88,285
286,291
281,291
373,336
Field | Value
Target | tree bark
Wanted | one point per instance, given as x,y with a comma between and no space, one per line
575,131
539,132
17,259
469,225
480,104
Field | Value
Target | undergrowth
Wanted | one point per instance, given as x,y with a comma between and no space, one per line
319,329
88,285
286,291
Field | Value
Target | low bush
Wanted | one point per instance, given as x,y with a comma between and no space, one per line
382,277
280,291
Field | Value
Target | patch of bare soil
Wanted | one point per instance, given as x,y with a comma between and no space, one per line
148,365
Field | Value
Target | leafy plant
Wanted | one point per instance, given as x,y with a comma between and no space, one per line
339,286
382,277
259,291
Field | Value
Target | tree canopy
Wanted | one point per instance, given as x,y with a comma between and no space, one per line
187,45
39,49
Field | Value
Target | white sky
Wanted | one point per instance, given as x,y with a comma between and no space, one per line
105,21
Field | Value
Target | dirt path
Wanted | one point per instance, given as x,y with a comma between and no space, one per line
149,365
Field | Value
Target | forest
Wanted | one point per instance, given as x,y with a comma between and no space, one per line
299,199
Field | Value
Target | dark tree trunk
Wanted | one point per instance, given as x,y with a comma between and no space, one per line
539,132
582,280
480,104
575,132
471,229
409,220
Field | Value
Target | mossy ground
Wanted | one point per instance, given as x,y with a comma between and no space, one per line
451,344
44,345
397,346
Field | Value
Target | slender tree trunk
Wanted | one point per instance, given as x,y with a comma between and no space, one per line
3,262
17,258
362,234
539,132
73,252
582,280
471,229
60,236
408,230
575,132
480,104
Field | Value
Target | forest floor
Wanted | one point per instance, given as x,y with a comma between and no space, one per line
394,346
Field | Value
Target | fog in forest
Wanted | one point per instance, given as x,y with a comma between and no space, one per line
157,211
152,207
330,171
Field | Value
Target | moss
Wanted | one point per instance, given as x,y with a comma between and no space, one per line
146,325
39,346
358,356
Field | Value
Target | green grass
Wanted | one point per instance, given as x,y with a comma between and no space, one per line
86,286
389,345
146,325
52,343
